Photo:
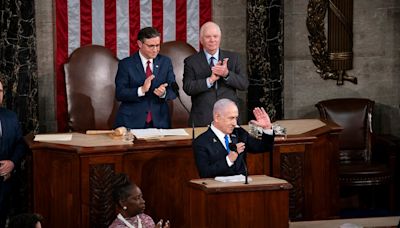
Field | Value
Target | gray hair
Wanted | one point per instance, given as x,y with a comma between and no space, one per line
221,104
207,25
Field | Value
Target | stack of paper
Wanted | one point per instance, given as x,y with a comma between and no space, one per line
155,133
52,137
235,178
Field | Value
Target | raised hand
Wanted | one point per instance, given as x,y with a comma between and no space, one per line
221,69
147,83
160,91
161,224
262,118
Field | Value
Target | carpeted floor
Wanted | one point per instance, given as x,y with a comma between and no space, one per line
377,222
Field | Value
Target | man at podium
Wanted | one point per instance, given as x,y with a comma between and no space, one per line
220,150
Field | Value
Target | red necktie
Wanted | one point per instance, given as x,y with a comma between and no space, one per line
148,73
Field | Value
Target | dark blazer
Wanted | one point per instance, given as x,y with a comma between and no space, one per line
133,109
210,154
196,70
12,143
12,147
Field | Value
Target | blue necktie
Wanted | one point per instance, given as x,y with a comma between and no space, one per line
227,143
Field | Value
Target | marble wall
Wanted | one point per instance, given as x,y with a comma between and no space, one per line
18,61
376,63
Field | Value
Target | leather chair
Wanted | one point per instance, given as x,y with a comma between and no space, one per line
178,51
90,88
365,160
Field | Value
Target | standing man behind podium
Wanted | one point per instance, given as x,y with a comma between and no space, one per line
210,75
12,150
143,85
212,151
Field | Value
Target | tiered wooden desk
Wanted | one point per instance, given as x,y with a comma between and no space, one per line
73,180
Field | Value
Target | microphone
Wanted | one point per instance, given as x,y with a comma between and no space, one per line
233,147
175,88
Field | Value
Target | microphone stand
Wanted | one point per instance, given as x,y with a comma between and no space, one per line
175,88
232,147
245,169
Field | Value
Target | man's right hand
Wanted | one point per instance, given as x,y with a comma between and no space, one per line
213,78
147,83
232,156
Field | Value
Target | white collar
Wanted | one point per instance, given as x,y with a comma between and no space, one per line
220,135
128,224
144,60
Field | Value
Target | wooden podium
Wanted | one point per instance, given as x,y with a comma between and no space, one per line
264,202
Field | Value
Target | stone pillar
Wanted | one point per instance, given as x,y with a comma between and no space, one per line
265,56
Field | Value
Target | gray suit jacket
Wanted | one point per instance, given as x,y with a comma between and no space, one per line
196,71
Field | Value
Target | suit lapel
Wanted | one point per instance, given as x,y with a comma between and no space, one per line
216,143
203,62
138,65
156,67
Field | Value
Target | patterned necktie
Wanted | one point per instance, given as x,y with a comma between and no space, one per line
211,65
212,61
227,143
148,74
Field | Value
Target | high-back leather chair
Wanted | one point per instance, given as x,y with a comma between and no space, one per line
365,159
178,51
90,88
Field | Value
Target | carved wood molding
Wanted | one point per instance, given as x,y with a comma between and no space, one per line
316,11
292,170
101,180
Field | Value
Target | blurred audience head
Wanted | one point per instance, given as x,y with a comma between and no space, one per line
26,220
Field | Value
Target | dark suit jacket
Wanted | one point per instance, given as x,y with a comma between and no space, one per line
133,109
210,154
12,147
12,143
196,71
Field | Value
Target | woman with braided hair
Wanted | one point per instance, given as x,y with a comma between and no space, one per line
131,205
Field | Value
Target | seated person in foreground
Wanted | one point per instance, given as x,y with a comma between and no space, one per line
26,220
143,85
211,149
130,204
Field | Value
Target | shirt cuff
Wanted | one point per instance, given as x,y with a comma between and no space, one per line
139,92
229,161
268,131
164,95
209,85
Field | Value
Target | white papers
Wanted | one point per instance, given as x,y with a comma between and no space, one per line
53,137
154,132
235,178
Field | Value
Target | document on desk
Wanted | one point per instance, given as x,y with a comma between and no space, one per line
52,137
235,178
155,133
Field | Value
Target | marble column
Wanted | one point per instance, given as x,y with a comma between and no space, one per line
18,60
265,56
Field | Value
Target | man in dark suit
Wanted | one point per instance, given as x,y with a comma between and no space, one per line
210,75
211,149
143,85
12,150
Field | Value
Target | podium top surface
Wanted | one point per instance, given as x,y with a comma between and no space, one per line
258,183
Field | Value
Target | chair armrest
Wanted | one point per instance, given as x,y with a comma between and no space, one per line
385,148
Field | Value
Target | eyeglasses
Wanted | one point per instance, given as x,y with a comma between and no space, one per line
152,46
